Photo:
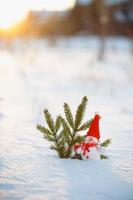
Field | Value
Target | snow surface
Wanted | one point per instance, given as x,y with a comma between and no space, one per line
34,75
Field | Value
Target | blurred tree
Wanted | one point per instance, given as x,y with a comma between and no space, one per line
99,12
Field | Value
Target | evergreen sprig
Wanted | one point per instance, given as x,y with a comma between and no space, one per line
68,115
80,113
63,133
53,133
102,157
57,123
49,120
75,124
65,126
79,139
106,143
85,126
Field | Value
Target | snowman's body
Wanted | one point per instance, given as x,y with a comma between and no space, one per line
92,150
89,149
93,154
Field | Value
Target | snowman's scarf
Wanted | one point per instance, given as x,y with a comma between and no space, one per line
85,147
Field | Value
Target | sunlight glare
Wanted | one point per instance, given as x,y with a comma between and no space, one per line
13,11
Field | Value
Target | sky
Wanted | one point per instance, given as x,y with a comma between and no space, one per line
13,11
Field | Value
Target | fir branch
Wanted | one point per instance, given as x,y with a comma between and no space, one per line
61,135
67,138
56,142
53,147
78,119
106,143
80,113
65,125
63,150
46,133
68,115
51,135
71,143
102,157
43,130
78,139
49,120
49,138
57,123
64,139
84,126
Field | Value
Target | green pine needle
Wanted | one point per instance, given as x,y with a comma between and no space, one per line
57,123
106,143
65,126
53,147
80,112
68,115
84,126
103,157
49,120
43,130
78,139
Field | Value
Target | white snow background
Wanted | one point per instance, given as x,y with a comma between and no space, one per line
34,75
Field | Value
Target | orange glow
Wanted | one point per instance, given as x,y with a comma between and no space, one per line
13,11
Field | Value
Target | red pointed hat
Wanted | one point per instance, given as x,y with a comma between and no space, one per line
94,127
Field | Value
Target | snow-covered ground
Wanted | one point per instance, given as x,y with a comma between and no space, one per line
34,75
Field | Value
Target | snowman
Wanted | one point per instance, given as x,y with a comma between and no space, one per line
90,149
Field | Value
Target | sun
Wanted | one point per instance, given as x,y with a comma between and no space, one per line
8,22
13,11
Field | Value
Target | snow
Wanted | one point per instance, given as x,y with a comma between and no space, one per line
34,75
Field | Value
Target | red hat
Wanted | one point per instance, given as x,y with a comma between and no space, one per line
94,127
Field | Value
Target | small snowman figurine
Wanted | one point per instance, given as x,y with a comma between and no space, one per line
90,148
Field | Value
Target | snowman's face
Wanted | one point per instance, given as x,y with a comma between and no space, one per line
91,139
